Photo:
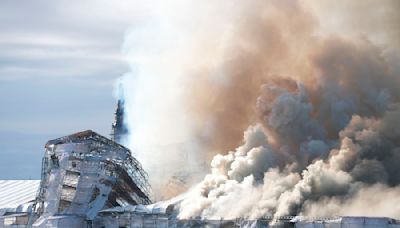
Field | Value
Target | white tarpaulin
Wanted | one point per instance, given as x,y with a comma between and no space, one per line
17,192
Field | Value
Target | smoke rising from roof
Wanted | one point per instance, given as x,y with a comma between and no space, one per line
320,104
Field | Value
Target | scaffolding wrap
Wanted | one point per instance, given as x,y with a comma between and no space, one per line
84,173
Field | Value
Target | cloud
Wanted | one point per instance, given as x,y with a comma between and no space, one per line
44,39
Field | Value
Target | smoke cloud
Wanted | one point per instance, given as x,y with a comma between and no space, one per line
314,87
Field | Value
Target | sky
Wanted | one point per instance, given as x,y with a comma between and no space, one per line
59,61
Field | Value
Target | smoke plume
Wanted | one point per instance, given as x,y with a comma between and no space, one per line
313,86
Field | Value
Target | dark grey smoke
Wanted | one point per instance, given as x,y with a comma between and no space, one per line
326,132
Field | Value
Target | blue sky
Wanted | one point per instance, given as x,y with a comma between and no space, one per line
58,64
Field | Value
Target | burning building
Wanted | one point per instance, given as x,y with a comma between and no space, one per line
313,88
83,173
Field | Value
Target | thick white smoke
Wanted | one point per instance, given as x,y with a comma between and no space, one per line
319,105
160,129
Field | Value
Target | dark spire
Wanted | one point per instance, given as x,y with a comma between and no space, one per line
119,129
